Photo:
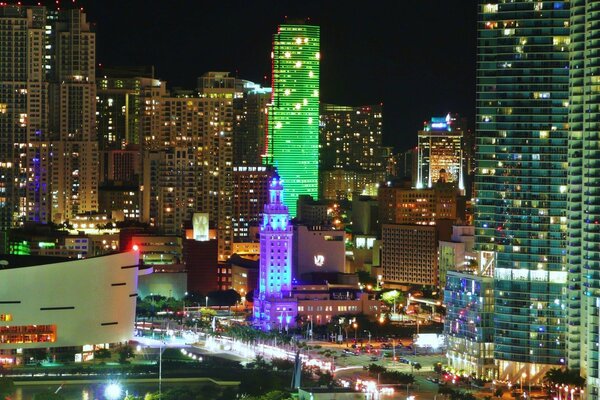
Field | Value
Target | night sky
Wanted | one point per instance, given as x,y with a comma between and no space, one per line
415,56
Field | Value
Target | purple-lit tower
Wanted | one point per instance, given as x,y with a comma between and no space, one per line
274,308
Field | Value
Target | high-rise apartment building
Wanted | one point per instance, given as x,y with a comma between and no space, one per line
583,260
188,156
23,118
250,128
217,91
49,156
350,137
250,194
73,117
521,180
293,127
351,154
440,152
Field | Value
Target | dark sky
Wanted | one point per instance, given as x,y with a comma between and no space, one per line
415,56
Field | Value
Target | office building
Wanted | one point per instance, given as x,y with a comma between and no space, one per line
317,249
293,127
469,322
456,253
405,205
521,180
409,254
341,184
440,153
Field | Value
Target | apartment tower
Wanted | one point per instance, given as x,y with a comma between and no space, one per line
521,180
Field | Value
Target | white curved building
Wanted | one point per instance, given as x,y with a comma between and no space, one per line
47,302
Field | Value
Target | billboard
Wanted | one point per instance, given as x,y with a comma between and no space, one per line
200,226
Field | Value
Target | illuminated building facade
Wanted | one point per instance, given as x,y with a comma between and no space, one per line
249,131
521,179
293,134
273,305
405,205
409,254
250,194
583,195
469,322
25,149
188,156
440,153
73,117
97,293
351,155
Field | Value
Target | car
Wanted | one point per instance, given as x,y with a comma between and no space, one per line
373,358
404,360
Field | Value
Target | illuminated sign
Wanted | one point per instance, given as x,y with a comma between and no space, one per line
439,125
200,226
319,260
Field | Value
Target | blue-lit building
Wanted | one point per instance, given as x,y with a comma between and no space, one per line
468,326
521,178
274,306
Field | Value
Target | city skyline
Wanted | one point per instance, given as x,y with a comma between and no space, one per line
368,56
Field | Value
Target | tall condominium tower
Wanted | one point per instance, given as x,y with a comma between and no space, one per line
217,91
24,147
440,152
293,134
249,132
351,154
73,117
584,195
48,147
521,207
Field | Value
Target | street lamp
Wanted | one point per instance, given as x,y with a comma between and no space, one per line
355,326
113,391
523,376
369,333
206,306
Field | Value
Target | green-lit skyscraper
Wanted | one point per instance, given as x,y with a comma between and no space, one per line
293,127
521,179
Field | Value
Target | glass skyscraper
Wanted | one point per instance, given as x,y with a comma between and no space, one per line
293,122
584,192
521,179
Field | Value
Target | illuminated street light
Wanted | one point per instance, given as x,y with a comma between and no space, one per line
113,391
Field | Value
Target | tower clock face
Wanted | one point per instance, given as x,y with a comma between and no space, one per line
319,260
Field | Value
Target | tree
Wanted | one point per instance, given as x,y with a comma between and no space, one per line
7,387
498,392
48,395
125,352
102,354
437,367
37,354
224,297
272,395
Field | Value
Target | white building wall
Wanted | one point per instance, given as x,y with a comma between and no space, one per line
90,301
